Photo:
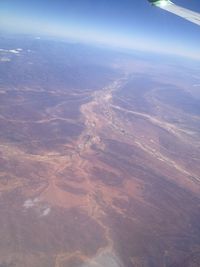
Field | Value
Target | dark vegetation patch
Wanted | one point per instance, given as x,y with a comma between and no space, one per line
179,99
72,189
155,229
107,177
36,136
54,65
133,95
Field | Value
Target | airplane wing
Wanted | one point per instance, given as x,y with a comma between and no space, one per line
177,10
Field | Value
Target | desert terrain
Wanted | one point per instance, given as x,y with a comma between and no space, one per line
99,158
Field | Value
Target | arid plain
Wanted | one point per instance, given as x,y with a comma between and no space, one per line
99,157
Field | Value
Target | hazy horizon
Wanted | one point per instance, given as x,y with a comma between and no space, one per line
128,24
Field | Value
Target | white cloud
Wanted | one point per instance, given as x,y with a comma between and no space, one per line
46,211
14,51
29,203
5,59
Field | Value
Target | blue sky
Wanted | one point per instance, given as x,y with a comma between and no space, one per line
124,23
